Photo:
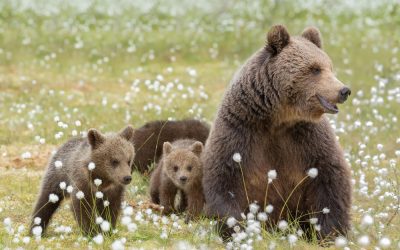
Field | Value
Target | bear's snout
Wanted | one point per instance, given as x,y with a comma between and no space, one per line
183,179
344,94
127,179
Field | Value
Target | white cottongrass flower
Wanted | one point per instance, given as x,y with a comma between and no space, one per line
231,222
269,208
379,147
99,220
70,189
105,226
58,164
117,245
78,123
37,231
363,241
26,240
97,182
262,216
292,239
385,242
164,235
237,157
37,220
125,220
340,242
272,174
326,210
106,203
254,208
132,227
99,195
80,195
98,239
282,225
312,172
7,222
91,166
128,211
313,220
367,220
63,185
53,198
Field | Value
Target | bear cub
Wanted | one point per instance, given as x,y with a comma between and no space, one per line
179,169
93,171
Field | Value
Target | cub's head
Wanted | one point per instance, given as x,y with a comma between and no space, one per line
303,74
113,155
183,165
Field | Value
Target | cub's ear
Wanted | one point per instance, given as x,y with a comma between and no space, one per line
167,148
197,148
95,138
127,133
278,37
313,35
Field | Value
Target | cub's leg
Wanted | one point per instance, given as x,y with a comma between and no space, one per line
195,205
44,209
84,214
168,192
155,183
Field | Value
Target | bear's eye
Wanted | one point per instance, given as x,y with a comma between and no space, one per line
176,168
114,162
189,168
315,70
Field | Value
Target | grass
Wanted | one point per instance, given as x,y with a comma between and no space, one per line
62,64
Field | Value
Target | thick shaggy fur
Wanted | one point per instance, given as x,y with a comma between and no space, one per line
149,139
179,169
112,155
272,116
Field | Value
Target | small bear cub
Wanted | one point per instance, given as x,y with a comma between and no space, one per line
93,171
179,169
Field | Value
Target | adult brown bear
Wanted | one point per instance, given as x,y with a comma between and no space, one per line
273,115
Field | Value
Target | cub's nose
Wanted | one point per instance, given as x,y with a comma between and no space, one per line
183,178
343,94
127,179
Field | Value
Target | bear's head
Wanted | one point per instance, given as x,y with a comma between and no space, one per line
183,165
112,155
302,73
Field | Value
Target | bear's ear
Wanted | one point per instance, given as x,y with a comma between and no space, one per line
197,148
313,35
278,37
127,132
95,138
167,148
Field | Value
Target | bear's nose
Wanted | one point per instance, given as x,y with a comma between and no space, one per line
183,178
343,94
127,179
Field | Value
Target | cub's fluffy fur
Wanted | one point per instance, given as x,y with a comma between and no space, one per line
180,168
112,155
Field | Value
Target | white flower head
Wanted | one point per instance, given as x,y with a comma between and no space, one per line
58,164
99,220
254,208
363,241
269,208
231,222
313,220
106,203
282,225
98,239
70,189
385,242
262,216
37,231
37,220
105,226
367,220
97,182
340,242
91,166
53,198
292,239
237,157
80,195
99,195
312,172
272,174
63,185
326,210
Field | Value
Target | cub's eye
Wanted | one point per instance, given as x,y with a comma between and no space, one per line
189,168
315,70
114,162
176,168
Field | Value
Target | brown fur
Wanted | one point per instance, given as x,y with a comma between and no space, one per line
173,174
272,116
149,139
112,154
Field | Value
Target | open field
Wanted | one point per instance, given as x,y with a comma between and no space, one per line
68,66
